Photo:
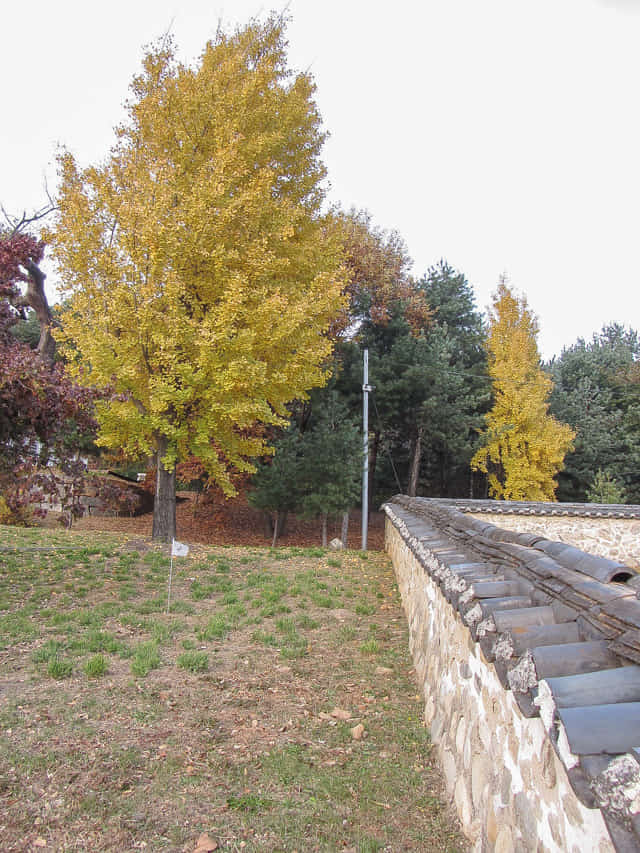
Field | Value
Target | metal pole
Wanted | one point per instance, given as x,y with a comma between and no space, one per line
365,449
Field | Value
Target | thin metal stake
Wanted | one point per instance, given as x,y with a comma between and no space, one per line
170,576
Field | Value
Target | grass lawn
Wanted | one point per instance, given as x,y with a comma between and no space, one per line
273,708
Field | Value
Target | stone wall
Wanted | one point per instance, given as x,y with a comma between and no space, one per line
511,789
614,538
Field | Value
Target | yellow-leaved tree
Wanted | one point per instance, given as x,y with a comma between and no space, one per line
200,272
524,445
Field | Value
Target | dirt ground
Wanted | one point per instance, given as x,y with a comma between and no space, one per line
234,522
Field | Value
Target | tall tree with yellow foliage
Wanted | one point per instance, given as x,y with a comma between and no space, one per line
524,446
201,274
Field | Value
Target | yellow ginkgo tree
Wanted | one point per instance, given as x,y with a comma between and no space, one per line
200,272
524,446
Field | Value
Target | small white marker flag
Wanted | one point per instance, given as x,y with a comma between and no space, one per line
179,549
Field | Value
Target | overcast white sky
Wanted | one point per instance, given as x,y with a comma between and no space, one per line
502,135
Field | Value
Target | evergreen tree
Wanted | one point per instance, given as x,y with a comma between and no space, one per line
455,314
276,486
419,397
605,489
596,392
451,299
316,466
332,462
431,387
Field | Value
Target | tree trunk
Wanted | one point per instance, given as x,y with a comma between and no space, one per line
416,458
345,529
164,504
324,529
279,525
36,298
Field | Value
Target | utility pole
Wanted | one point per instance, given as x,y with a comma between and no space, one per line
366,388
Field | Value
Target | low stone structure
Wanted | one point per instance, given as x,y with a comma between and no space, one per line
607,530
106,493
527,651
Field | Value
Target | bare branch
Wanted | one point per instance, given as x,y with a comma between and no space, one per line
19,224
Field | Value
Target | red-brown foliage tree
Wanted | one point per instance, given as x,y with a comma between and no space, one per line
44,417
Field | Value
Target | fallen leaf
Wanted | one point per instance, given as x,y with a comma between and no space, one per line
357,731
340,714
204,844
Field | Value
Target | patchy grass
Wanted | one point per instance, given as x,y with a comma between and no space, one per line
96,667
370,647
145,658
123,727
59,668
193,661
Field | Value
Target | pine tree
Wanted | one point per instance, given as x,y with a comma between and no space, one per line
456,318
605,489
431,386
332,463
276,485
316,467
597,393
